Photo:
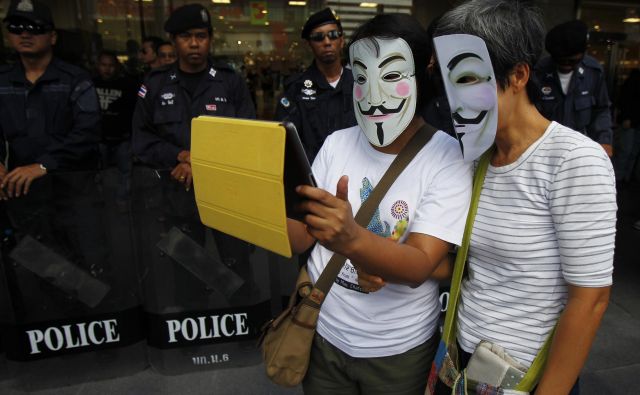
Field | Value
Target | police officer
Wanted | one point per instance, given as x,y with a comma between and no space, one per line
168,100
171,96
49,130
319,100
573,89
49,112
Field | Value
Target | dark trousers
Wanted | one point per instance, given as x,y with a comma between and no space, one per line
332,372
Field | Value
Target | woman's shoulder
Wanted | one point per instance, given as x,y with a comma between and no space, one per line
443,149
571,143
571,150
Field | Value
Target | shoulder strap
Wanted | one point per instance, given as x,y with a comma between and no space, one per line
448,332
368,208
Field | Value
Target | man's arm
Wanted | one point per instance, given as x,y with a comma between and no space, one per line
147,146
242,99
330,221
299,239
79,145
599,129
583,205
573,338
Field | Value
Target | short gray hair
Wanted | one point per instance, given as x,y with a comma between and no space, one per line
512,29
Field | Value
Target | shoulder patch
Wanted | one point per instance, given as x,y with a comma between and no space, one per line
142,92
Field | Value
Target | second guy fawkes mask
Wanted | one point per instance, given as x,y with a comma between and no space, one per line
471,89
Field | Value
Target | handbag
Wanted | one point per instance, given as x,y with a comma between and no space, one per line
491,370
287,339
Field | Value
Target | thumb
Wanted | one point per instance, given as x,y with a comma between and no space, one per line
342,190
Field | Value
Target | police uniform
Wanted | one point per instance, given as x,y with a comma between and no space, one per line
585,107
317,108
54,122
311,103
162,119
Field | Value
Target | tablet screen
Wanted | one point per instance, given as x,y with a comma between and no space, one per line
297,170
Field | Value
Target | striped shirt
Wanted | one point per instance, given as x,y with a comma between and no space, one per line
544,221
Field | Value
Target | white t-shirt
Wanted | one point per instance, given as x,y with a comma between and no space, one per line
565,80
432,197
544,221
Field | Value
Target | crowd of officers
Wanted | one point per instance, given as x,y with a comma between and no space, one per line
55,118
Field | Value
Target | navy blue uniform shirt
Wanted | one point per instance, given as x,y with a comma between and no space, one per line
585,107
54,122
316,108
162,119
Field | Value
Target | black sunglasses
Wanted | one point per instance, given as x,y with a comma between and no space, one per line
319,36
31,28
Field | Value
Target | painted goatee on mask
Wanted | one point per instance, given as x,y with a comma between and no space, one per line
471,90
384,92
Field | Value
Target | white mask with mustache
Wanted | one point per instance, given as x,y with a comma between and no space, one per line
384,89
471,90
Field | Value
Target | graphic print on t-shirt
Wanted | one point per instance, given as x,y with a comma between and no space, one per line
348,277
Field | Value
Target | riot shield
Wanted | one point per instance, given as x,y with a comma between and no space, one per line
206,294
6,311
72,285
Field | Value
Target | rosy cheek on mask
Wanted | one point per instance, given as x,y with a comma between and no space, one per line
358,93
478,97
403,89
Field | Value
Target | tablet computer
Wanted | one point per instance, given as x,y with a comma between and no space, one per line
297,170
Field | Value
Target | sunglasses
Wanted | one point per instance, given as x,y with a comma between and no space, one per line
19,28
319,36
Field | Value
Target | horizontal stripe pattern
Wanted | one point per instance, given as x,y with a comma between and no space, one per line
544,221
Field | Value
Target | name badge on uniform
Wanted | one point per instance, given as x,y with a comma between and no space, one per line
167,99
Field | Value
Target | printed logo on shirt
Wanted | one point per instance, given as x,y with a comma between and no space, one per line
211,107
220,99
546,90
308,84
348,277
108,96
285,102
584,93
142,92
212,72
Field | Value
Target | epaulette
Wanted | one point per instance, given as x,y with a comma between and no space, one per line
292,80
592,63
72,70
221,65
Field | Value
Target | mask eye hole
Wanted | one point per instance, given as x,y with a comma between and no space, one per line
467,79
392,76
361,79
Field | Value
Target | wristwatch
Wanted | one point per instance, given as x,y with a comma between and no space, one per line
42,167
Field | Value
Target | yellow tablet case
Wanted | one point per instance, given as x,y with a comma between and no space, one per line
238,169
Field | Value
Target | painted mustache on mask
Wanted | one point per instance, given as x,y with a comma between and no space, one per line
383,110
461,121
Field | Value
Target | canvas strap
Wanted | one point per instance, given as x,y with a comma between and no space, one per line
449,331
368,208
